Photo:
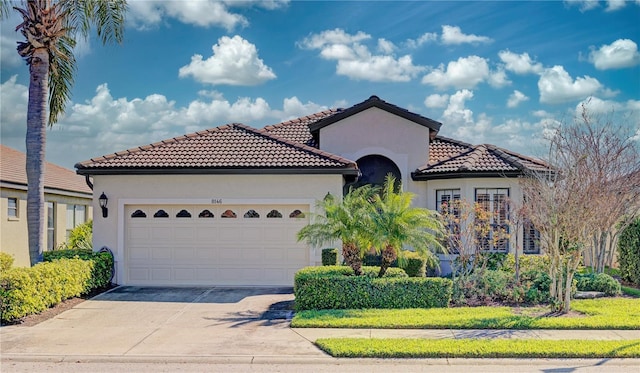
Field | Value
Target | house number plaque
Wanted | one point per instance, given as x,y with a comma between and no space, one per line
216,201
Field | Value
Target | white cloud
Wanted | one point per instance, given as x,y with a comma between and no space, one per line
619,54
452,35
234,61
516,98
584,5
595,105
613,5
10,56
204,13
423,39
466,72
456,113
556,86
355,61
519,63
385,46
436,101
498,79
105,124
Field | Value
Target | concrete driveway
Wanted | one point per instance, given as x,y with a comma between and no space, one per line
146,322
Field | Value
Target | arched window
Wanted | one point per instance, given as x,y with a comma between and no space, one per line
297,214
183,214
228,214
374,169
161,214
274,214
251,214
205,214
138,214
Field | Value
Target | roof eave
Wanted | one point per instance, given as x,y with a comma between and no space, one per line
417,176
374,101
218,171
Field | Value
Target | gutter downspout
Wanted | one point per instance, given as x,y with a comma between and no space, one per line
89,183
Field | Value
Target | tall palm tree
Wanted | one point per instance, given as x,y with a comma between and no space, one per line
344,220
50,29
395,223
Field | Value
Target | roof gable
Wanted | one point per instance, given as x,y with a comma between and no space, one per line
12,170
232,148
450,158
375,101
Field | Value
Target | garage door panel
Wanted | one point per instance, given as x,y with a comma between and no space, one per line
214,251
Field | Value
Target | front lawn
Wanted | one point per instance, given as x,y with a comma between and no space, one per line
478,348
603,313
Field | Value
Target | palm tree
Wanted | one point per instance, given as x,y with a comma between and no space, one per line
346,221
395,223
50,28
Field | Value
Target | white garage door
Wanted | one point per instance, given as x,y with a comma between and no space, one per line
214,244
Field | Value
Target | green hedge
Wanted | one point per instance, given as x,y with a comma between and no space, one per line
329,257
629,253
337,288
6,261
414,264
25,291
64,274
102,268
598,282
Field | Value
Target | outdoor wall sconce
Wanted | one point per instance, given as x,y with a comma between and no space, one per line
103,205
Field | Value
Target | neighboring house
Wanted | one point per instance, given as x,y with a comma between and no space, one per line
67,200
223,206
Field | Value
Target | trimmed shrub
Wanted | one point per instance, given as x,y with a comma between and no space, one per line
414,264
25,291
101,270
336,288
81,237
629,253
329,257
528,262
598,282
6,261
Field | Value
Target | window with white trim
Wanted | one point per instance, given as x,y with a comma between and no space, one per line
51,226
12,207
495,201
76,215
531,244
447,203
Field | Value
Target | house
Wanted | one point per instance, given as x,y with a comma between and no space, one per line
68,201
222,206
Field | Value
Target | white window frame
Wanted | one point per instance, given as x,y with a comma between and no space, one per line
502,222
15,209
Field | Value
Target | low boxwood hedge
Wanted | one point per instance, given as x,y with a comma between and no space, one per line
64,274
335,287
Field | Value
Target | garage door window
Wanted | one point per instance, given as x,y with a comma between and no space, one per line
251,214
161,214
297,214
205,214
274,214
138,214
228,214
183,214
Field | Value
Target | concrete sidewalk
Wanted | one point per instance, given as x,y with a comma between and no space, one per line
312,334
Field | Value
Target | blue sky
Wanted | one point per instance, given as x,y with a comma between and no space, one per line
491,72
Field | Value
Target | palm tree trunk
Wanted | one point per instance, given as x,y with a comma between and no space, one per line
350,253
389,254
36,143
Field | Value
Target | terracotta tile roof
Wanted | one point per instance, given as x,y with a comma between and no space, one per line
12,170
228,147
450,158
297,130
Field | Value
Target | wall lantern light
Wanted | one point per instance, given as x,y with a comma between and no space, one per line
103,205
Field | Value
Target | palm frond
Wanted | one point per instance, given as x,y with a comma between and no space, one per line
61,77
107,16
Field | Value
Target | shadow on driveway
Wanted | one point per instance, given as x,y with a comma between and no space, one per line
186,294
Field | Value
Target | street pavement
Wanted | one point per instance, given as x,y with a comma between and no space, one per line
236,330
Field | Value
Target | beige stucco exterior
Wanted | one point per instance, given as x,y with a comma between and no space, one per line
127,190
13,232
378,132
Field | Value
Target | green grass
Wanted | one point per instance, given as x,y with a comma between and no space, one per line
603,313
631,291
478,348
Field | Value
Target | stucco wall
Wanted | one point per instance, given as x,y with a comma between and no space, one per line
375,131
199,189
13,233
